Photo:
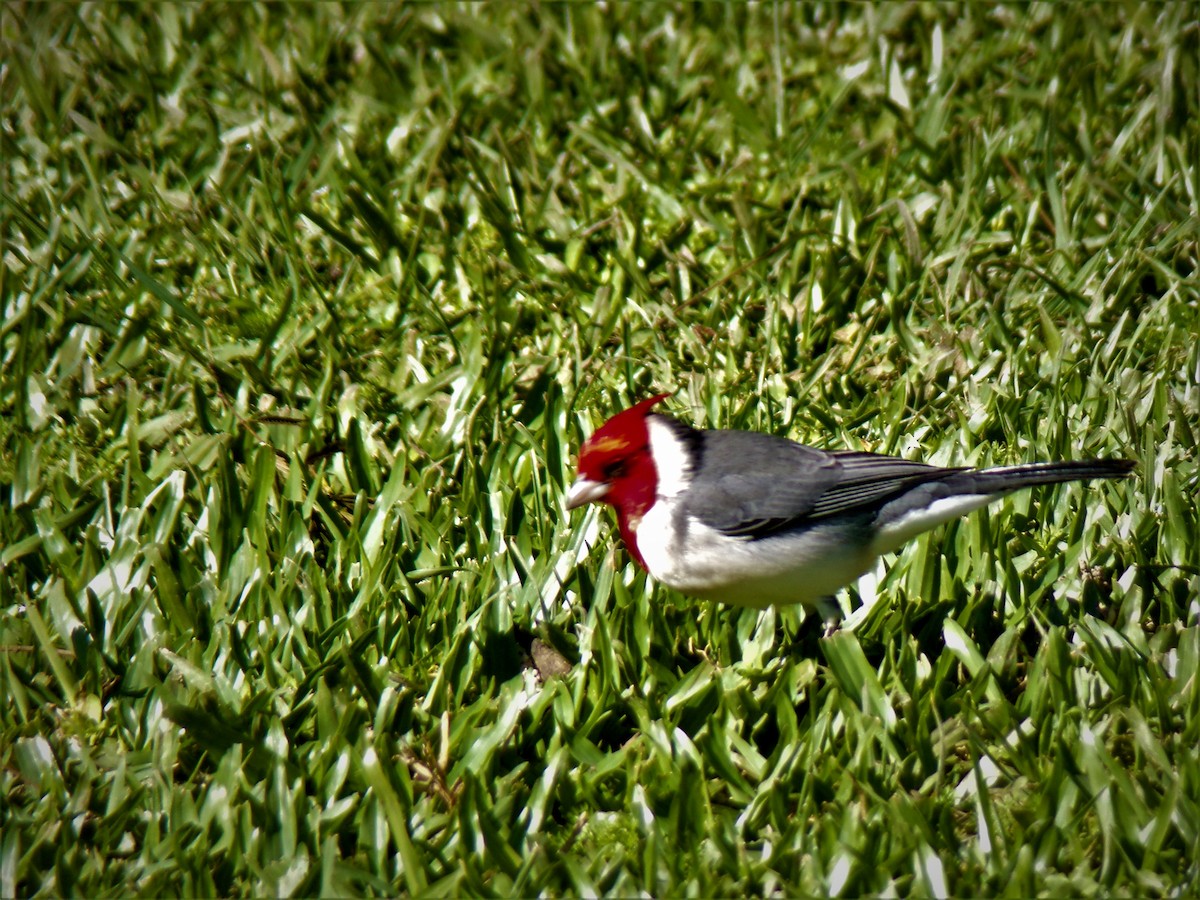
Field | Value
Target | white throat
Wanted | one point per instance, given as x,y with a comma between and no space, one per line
671,459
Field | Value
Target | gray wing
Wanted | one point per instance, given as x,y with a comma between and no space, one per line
752,484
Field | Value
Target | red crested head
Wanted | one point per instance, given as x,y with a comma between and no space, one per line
616,467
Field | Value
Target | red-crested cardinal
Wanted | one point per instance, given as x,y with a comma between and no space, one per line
753,519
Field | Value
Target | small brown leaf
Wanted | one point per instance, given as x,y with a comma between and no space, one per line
548,660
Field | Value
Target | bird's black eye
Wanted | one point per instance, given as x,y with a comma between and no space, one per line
614,470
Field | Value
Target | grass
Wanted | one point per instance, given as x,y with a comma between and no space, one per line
305,313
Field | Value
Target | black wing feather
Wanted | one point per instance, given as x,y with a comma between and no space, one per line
752,485
868,479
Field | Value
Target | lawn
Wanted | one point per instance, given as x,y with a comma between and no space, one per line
306,310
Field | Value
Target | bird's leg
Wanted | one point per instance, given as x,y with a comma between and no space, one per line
700,652
831,614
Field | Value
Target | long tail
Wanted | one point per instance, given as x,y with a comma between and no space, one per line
1012,478
935,502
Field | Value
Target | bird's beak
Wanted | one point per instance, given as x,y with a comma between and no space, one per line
585,491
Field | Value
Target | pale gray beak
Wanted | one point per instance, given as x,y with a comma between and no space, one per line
585,491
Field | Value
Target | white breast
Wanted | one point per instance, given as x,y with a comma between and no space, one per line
686,554
801,567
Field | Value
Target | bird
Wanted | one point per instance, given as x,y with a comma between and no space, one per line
756,520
